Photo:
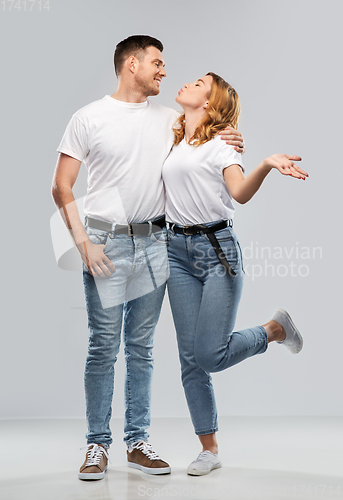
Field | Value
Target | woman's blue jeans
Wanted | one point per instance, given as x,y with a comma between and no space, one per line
204,300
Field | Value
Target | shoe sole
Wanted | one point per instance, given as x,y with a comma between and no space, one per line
150,470
92,476
285,313
203,472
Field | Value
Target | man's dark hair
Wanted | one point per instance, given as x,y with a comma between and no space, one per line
130,46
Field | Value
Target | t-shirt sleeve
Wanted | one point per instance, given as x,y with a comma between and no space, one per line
227,156
75,140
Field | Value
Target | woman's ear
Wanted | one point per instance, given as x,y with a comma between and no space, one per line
206,104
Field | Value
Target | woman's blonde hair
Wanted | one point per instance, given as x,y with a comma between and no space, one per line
223,109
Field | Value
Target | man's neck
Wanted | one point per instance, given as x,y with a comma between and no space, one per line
129,94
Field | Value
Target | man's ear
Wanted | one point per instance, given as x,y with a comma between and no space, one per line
131,63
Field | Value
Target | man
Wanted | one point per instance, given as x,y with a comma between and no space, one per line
123,140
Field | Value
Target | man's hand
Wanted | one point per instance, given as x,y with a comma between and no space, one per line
234,138
94,258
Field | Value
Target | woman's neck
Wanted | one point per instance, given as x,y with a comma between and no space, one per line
192,119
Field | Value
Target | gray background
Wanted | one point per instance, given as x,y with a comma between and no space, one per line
284,60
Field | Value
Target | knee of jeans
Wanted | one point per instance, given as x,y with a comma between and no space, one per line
193,373
102,348
144,353
207,361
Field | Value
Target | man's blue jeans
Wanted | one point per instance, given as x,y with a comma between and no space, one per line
120,303
204,300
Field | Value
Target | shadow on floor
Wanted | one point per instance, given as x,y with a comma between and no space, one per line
222,484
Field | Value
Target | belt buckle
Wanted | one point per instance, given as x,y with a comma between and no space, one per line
185,232
150,227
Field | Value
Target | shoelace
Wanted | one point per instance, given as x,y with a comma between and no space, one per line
94,454
205,455
147,449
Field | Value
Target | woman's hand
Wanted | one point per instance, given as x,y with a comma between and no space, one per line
242,189
285,165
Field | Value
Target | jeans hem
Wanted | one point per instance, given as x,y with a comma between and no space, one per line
263,345
136,439
266,339
98,441
203,433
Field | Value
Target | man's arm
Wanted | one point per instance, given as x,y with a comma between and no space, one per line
67,170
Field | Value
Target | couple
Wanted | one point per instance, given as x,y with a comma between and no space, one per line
124,140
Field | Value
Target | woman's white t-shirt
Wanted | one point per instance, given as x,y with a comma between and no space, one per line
196,192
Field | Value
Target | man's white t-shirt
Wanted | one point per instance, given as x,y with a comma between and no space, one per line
123,146
196,192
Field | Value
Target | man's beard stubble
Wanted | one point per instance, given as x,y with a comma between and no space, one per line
146,88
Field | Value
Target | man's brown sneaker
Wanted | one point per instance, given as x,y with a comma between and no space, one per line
95,464
142,456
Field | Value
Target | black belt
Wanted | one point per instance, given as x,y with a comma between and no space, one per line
209,230
136,229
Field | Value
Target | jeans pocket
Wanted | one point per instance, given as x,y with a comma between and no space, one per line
230,250
170,235
240,255
229,243
160,236
222,235
98,237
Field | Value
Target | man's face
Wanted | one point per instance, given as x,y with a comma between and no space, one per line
150,71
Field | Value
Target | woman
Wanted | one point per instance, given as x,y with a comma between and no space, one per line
202,174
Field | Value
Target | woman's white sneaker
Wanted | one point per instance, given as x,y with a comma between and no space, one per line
205,462
293,341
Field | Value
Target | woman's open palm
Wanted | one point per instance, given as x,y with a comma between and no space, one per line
284,164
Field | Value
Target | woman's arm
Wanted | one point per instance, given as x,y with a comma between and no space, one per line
242,189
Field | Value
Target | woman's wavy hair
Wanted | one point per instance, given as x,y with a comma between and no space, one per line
223,109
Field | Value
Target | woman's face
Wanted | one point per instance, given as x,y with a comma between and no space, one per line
195,95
